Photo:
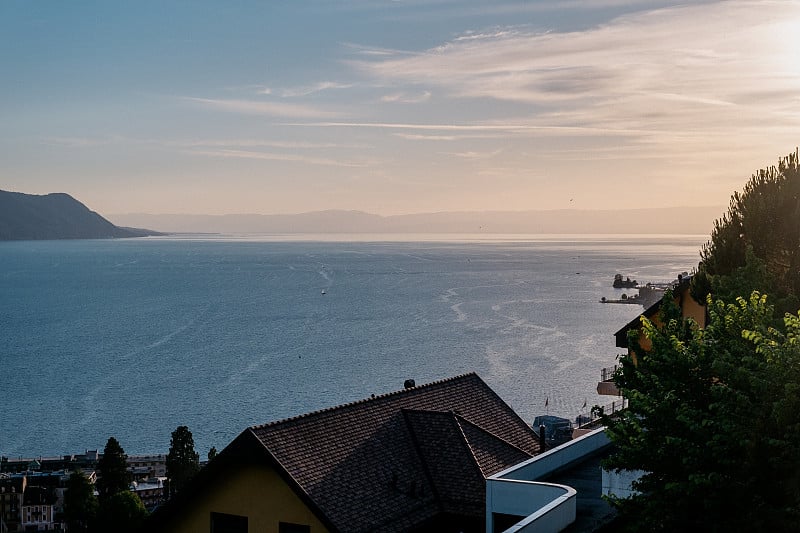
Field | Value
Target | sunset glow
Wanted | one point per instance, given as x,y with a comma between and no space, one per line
395,107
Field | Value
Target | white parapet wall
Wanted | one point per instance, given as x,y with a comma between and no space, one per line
546,507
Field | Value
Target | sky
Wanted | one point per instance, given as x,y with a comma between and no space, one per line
394,107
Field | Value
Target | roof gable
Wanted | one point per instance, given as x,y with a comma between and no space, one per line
373,464
448,461
492,453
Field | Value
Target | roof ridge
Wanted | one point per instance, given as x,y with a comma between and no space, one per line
425,468
365,400
516,416
491,433
457,418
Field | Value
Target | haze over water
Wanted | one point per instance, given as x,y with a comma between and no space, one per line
132,338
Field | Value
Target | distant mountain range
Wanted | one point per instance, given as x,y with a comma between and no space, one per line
55,216
670,220
60,216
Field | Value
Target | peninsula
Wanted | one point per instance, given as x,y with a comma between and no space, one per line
55,216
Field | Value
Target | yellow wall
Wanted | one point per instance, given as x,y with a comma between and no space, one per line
256,492
689,309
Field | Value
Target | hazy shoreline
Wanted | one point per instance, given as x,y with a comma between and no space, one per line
656,221
465,238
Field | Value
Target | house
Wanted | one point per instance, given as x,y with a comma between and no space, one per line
145,467
38,509
690,308
561,489
150,491
12,492
414,459
50,464
31,502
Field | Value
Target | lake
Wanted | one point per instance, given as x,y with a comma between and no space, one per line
133,337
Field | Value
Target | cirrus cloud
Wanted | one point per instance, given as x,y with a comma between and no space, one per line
255,107
695,63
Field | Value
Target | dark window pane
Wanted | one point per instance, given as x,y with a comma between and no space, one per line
228,523
287,527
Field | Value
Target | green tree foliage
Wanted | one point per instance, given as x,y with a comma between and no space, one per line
80,504
182,461
120,509
123,512
113,475
212,453
714,420
757,240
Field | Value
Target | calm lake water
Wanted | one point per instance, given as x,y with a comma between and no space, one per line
132,338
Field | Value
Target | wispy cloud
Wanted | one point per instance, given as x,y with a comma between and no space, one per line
270,156
514,127
492,8
422,137
427,10
254,107
232,145
406,98
263,143
375,52
315,88
451,137
695,67
496,34
80,142
475,155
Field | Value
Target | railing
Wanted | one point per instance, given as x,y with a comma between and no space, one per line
607,374
611,408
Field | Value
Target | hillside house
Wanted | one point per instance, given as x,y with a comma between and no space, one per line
690,308
412,460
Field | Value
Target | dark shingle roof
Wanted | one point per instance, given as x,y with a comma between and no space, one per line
492,452
410,460
448,461
391,462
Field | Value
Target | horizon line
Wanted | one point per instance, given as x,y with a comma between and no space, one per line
454,212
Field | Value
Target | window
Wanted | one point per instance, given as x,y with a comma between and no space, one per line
287,527
228,523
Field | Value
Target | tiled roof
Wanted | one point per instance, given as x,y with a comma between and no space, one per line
491,452
448,461
391,462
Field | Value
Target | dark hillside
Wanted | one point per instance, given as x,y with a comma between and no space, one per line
54,216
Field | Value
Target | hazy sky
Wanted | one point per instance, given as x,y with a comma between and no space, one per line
394,106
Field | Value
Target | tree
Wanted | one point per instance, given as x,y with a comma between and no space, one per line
757,239
182,461
113,471
714,420
123,512
80,503
212,453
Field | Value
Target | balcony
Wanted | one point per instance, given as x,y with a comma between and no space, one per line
541,507
606,386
